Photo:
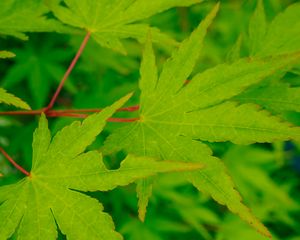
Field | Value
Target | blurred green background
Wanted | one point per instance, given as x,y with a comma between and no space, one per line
267,175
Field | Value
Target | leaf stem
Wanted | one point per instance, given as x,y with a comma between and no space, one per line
123,119
17,166
69,70
64,112
94,110
75,113
80,115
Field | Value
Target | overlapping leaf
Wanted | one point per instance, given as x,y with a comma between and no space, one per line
111,20
10,99
172,114
50,197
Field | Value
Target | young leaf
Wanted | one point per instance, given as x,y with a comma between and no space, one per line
60,171
111,20
172,114
10,99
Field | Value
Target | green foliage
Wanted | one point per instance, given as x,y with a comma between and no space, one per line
38,70
233,81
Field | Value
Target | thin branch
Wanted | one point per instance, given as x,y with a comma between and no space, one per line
17,166
69,70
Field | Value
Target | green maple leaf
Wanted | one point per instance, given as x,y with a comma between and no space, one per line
10,99
173,114
108,21
60,169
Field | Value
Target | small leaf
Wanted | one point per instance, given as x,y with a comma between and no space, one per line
10,99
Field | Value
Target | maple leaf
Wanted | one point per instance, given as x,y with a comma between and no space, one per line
108,21
50,194
10,99
173,114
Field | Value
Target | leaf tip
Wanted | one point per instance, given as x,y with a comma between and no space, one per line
216,8
142,216
127,97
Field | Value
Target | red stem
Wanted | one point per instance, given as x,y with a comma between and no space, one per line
13,162
69,70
